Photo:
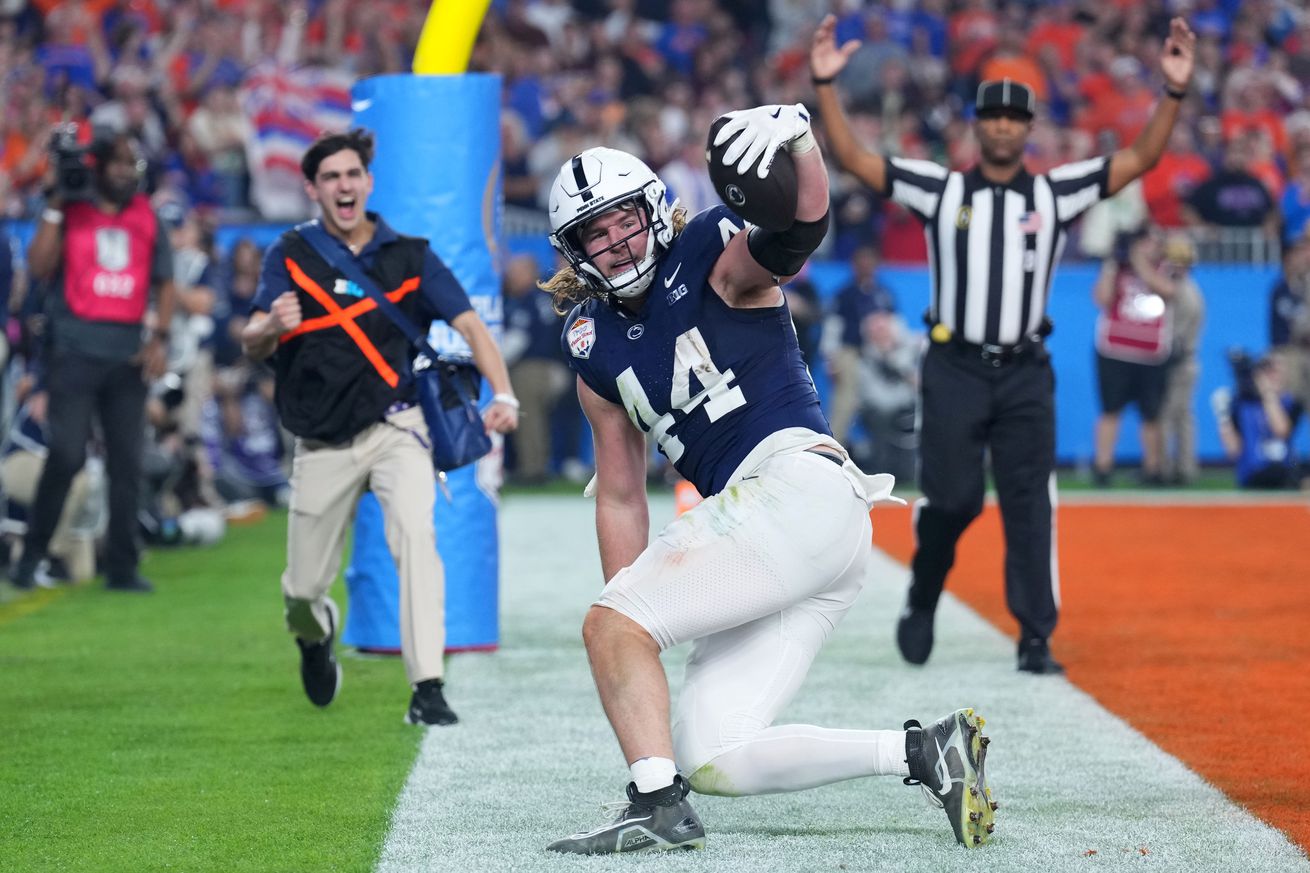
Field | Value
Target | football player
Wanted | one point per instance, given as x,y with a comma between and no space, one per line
679,331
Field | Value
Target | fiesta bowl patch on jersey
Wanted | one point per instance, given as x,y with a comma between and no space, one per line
582,336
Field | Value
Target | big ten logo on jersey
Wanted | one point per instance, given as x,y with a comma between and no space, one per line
727,229
113,285
692,367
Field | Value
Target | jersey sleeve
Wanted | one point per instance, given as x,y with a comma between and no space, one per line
709,230
443,296
1078,186
916,185
576,341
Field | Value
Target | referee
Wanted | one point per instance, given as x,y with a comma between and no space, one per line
994,233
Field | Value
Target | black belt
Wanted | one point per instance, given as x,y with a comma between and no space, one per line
840,462
996,355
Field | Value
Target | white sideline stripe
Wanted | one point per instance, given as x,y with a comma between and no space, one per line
533,756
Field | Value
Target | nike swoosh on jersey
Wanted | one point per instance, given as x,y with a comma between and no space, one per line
668,282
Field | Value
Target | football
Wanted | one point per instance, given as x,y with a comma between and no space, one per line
770,202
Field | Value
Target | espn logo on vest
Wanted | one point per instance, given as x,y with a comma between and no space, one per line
346,288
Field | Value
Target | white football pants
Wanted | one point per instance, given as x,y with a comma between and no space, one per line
758,576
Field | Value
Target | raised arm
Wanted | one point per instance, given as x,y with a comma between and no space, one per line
622,514
826,61
1177,60
748,272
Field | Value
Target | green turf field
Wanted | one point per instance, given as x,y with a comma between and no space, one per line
169,732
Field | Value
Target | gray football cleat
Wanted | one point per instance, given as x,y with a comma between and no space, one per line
653,822
946,760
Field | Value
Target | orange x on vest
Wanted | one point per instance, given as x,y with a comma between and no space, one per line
345,318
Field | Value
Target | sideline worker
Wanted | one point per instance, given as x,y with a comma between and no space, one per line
344,388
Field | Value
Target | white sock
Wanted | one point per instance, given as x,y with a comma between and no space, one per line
652,774
798,756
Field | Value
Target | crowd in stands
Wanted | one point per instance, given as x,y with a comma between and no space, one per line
223,95
216,90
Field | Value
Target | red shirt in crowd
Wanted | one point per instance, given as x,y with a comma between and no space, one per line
1166,186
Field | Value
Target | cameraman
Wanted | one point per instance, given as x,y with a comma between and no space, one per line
1256,425
1134,334
104,252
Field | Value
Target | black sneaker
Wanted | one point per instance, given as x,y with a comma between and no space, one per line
653,822
23,576
946,761
428,705
319,671
1035,657
914,634
134,585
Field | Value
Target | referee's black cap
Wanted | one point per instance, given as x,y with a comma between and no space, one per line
1005,94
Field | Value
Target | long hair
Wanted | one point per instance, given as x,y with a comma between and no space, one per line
566,288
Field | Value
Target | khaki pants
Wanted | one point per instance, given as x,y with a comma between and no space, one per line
1178,423
1296,372
845,402
326,483
539,385
20,472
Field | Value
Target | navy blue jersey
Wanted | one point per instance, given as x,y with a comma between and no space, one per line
708,381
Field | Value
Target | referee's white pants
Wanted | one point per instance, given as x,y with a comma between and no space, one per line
759,576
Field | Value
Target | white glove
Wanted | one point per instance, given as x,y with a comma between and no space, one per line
764,130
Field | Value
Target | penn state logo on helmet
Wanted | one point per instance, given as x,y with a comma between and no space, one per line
591,184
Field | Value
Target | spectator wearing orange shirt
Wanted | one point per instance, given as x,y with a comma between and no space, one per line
1011,61
1056,27
1167,186
974,32
1248,102
1123,108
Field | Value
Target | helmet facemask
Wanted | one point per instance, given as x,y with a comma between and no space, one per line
633,281
594,184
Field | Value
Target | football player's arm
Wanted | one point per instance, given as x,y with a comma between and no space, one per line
754,263
622,514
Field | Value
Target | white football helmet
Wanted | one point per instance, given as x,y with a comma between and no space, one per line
592,183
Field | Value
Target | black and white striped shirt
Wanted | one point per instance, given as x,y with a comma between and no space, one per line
992,248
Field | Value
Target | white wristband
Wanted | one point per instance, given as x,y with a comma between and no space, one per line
803,143
51,215
508,399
